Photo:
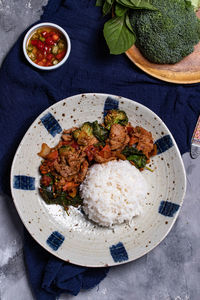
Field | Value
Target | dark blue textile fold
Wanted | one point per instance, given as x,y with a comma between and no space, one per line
50,276
25,92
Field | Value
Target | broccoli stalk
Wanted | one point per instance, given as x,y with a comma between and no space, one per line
168,34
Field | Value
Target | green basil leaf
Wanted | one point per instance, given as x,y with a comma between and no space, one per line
120,10
139,160
118,37
128,23
131,151
99,2
136,156
100,132
46,195
107,6
137,4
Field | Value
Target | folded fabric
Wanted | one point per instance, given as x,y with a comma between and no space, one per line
25,92
51,276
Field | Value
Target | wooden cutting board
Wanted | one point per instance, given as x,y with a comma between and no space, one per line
186,71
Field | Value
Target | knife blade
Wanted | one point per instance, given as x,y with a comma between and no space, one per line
195,142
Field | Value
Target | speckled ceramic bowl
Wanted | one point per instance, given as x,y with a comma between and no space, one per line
72,237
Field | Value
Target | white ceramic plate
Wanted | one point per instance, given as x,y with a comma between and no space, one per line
72,237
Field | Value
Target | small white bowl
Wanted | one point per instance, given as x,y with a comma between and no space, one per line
30,32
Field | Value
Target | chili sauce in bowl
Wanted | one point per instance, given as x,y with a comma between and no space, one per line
46,46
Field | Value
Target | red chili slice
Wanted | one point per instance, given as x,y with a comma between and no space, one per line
50,56
40,45
48,64
75,145
90,151
105,152
129,129
44,33
40,63
52,33
49,41
40,56
61,54
34,42
46,180
52,155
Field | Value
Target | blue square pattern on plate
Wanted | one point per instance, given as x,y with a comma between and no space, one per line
55,240
109,104
164,143
51,124
118,252
168,209
22,182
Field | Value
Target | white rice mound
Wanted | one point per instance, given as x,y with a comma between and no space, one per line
113,193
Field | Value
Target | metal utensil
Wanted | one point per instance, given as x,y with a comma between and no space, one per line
195,142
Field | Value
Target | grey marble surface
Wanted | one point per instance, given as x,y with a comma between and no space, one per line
170,272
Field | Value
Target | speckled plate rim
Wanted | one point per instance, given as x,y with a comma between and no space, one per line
81,263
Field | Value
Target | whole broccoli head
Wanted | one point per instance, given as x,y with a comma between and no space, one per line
168,34
115,116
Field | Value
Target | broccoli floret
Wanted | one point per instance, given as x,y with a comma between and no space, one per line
84,133
87,127
115,116
64,150
168,34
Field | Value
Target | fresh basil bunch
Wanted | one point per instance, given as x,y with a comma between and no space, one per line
118,32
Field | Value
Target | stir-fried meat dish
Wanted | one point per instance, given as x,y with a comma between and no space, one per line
65,166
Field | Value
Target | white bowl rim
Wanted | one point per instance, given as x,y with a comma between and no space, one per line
50,25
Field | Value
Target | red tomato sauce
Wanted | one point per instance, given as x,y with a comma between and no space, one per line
46,46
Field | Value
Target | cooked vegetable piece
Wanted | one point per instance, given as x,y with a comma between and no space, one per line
42,39
55,49
61,45
100,132
55,62
136,156
29,48
90,152
139,160
45,150
64,150
84,133
31,55
69,186
52,155
61,198
115,116
46,180
105,152
61,54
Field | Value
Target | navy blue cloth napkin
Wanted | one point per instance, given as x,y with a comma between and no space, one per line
25,92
